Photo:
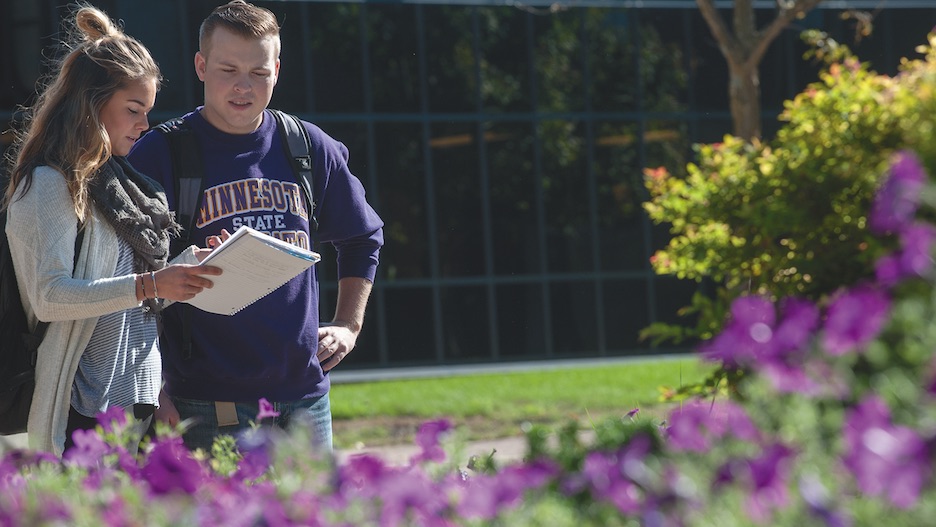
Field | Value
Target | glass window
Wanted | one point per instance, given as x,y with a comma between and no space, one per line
514,203
565,191
505,65
403,206
394,62
558,56
574,319
671,295
410,323
334,31
626,313
520,324
451,61
466,333
458,199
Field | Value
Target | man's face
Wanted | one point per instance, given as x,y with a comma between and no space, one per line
239,75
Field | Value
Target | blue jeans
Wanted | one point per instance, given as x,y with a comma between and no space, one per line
315,413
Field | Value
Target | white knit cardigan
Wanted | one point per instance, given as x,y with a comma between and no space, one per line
42,227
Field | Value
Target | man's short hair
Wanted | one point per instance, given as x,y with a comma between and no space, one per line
240,18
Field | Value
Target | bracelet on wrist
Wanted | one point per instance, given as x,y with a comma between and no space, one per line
155,291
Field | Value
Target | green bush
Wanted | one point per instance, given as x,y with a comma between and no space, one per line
787,217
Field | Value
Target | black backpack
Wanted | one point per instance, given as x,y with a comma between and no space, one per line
188,184
18,346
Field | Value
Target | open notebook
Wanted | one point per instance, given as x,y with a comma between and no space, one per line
254,264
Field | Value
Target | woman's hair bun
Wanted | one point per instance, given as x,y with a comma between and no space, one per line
94,24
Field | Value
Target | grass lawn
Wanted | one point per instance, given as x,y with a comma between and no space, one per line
485,406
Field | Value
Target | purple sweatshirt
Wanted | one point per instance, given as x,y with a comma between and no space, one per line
267,349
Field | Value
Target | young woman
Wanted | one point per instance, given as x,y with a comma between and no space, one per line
69,173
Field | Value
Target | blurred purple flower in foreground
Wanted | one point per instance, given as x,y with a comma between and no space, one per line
754,338
855,318
765,478
696,425
170,467
748,334
428,438
884,458
88,450
113,419
266,410
896,202
819,502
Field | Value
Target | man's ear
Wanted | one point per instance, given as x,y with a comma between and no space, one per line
276,73
200,65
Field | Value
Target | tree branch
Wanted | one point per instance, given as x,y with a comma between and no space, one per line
788,12
729,46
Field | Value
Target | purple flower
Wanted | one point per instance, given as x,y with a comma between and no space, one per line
266,410
485,496
769,474
765,477
113,419
897,200
619,477
255,446
88,449
747,335
883,457
799,321
913,259
428,439
170,467
753,337
887,270
696,425
855,318
817,498
916,256
359,473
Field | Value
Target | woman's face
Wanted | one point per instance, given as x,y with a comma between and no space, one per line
124,114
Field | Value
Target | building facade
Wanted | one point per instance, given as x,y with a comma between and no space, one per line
503,144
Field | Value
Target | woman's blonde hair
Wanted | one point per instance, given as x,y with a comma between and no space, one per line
64,129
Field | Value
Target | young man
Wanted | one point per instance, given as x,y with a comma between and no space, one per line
274,348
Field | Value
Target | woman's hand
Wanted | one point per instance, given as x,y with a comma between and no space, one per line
179,282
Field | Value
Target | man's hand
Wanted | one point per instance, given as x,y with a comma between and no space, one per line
167,412
334,343
338,338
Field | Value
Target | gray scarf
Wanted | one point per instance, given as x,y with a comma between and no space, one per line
136,207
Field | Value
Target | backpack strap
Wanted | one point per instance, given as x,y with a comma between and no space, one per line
298,146
189,187
187,180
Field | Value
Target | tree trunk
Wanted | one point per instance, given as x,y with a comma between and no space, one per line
744,49
744,93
